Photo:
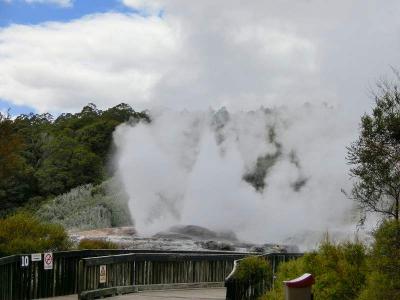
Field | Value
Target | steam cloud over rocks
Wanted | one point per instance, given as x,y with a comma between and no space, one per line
267,175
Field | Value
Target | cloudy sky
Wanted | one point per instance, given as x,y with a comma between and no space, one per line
58,55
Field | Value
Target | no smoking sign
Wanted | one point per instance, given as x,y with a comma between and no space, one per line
48,261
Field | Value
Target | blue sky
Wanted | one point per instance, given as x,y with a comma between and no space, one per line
21,12
15,109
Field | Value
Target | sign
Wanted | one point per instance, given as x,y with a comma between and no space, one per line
103,274
36,257
24,261
48,261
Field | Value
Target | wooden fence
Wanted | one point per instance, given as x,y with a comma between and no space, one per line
248,290
130,272
18,282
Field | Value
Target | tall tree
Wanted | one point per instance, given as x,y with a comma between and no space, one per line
375,156
14,173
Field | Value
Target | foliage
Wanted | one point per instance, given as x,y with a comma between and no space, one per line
24,233
42,157
253,269
339,271
384,264
375,156
286,271
89,207
96,244
13,168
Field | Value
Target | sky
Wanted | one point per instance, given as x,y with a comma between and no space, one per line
58,55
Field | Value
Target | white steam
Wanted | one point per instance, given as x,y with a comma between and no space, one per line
196,168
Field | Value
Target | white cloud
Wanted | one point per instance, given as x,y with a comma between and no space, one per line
149,6
105,58
206,53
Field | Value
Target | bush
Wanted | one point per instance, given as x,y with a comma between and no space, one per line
286,271
24,233
384,264
254,269
96,244
339,271
89,207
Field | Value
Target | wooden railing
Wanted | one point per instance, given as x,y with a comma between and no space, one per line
19,282
132,272
248,290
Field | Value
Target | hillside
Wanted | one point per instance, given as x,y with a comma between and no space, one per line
42,156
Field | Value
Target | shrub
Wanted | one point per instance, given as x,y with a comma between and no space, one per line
89,207
24,233
286,271
384,264
96,244
339,271
254,269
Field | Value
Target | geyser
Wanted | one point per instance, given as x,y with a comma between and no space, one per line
267,175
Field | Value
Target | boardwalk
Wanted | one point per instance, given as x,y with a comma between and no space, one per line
200,294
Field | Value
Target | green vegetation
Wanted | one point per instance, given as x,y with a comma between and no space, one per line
96,244
339,271
24,233
253,269
375,156
89,207
349,270
383,280
42,157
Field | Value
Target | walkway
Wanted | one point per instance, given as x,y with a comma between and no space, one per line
193,294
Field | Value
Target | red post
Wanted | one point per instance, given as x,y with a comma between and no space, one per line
299,288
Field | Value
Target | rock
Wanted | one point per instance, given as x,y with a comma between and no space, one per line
275,248
257,249
172,236
217,245
201,233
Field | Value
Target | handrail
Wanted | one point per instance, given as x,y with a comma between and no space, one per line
33,282
128,272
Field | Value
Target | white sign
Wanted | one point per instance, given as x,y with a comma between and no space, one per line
36,257
24,261
103,274
48,261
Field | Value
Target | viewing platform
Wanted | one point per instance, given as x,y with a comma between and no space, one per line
210,293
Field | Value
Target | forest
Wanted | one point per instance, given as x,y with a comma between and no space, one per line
43,156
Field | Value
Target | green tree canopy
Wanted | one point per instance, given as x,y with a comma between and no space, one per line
15,174
383,281
42,156
375,156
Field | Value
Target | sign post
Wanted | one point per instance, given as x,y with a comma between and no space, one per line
103,274
48,261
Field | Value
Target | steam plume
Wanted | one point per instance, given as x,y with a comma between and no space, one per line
268,175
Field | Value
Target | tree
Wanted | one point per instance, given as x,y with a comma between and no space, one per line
383,280
42,156
375,156
66,164
15,175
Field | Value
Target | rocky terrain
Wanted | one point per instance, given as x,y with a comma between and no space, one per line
189,237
